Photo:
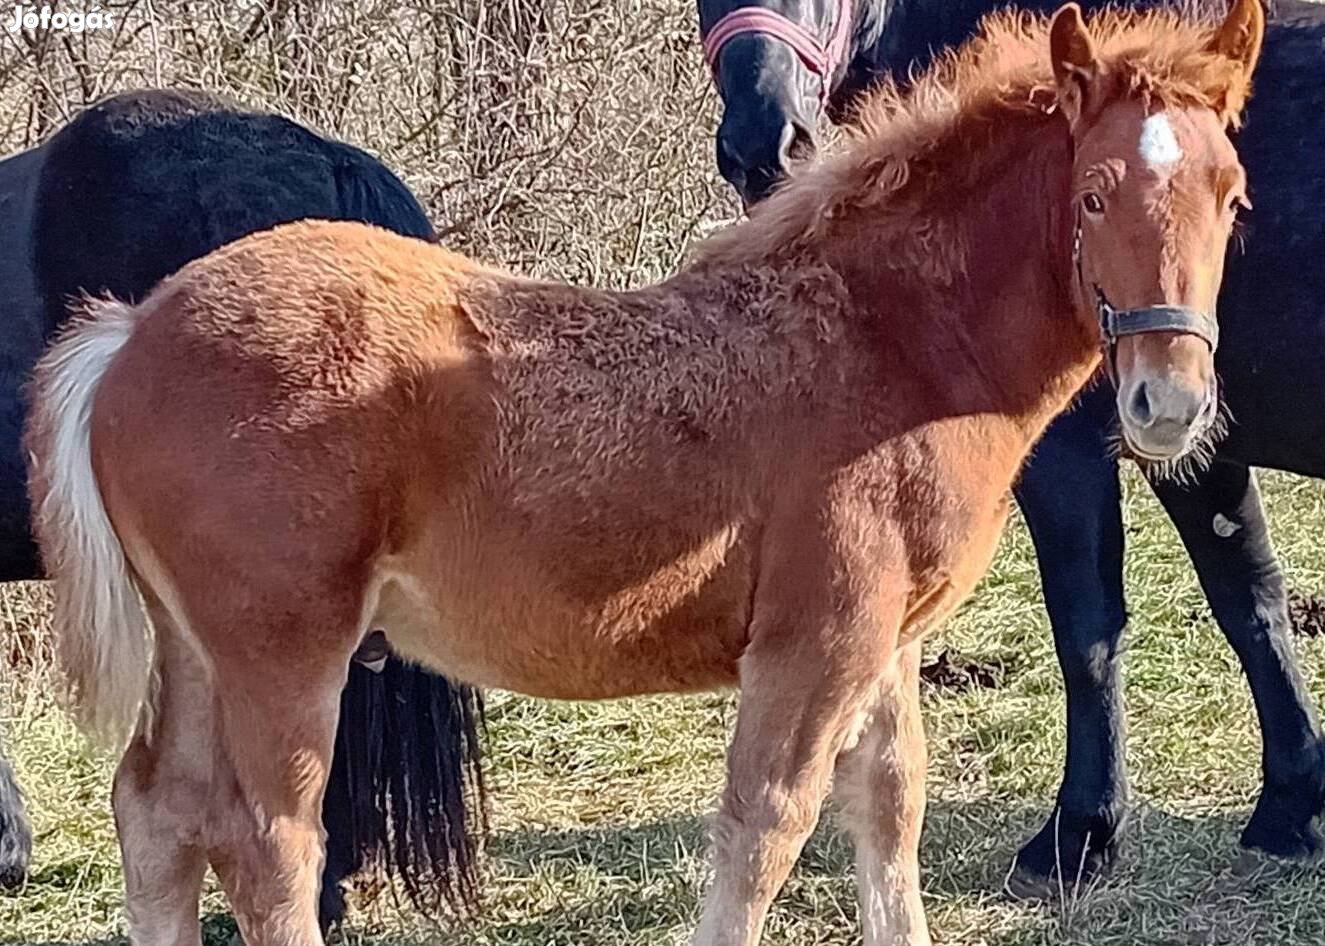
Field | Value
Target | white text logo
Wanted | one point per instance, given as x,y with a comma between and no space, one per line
44,18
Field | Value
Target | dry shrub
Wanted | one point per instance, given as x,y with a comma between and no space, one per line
564,138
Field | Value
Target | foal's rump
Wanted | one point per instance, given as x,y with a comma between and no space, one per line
156,427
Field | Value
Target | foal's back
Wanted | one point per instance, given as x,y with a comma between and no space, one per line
547,468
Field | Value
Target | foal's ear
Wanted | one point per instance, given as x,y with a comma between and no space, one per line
1239,39
1076,65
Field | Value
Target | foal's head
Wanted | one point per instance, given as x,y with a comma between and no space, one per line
1156,185
775,64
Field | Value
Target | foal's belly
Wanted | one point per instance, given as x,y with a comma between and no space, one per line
494,617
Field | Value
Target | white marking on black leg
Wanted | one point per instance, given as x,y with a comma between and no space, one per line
1224,526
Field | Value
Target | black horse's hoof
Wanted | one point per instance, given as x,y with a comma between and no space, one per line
1301,843
13,873
1286,824
1024,884
15,848
330,906
1068,855
1251,862
1027,885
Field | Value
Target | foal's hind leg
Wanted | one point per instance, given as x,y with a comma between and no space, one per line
278,680
803,690
881,785
278,724
161,794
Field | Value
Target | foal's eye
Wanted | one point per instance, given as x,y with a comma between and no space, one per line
1092,203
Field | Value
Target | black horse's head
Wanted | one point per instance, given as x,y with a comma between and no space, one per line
779,64
775,64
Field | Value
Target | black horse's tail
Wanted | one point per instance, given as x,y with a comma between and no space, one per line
406,793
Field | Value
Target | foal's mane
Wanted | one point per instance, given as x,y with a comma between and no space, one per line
901,141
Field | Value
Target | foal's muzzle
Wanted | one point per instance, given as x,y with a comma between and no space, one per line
1162,420
1161,417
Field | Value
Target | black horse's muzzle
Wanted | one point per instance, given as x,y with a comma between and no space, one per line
754,158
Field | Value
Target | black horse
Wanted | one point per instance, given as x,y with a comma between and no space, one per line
122,196
1272,318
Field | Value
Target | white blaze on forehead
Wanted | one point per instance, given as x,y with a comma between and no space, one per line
1158,145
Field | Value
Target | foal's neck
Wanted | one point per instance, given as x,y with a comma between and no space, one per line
982,280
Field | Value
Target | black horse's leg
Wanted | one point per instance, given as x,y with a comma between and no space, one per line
1223,526
1070,497
15,837
351,808
18,562
342,857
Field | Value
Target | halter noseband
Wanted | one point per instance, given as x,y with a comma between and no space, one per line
822,60
1118,323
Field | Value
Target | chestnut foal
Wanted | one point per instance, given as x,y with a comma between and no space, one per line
776,470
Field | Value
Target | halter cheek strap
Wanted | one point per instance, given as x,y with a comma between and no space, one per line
822,59
1119,323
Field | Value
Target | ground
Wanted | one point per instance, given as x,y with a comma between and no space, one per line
599,808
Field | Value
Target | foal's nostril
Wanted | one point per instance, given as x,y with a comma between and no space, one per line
1139,408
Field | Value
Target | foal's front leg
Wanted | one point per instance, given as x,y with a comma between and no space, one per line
803,693
880,783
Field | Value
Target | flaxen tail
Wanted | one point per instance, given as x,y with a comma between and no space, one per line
104,640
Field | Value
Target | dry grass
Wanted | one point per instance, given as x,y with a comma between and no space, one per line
574,140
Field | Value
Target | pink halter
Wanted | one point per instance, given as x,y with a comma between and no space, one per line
821,60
